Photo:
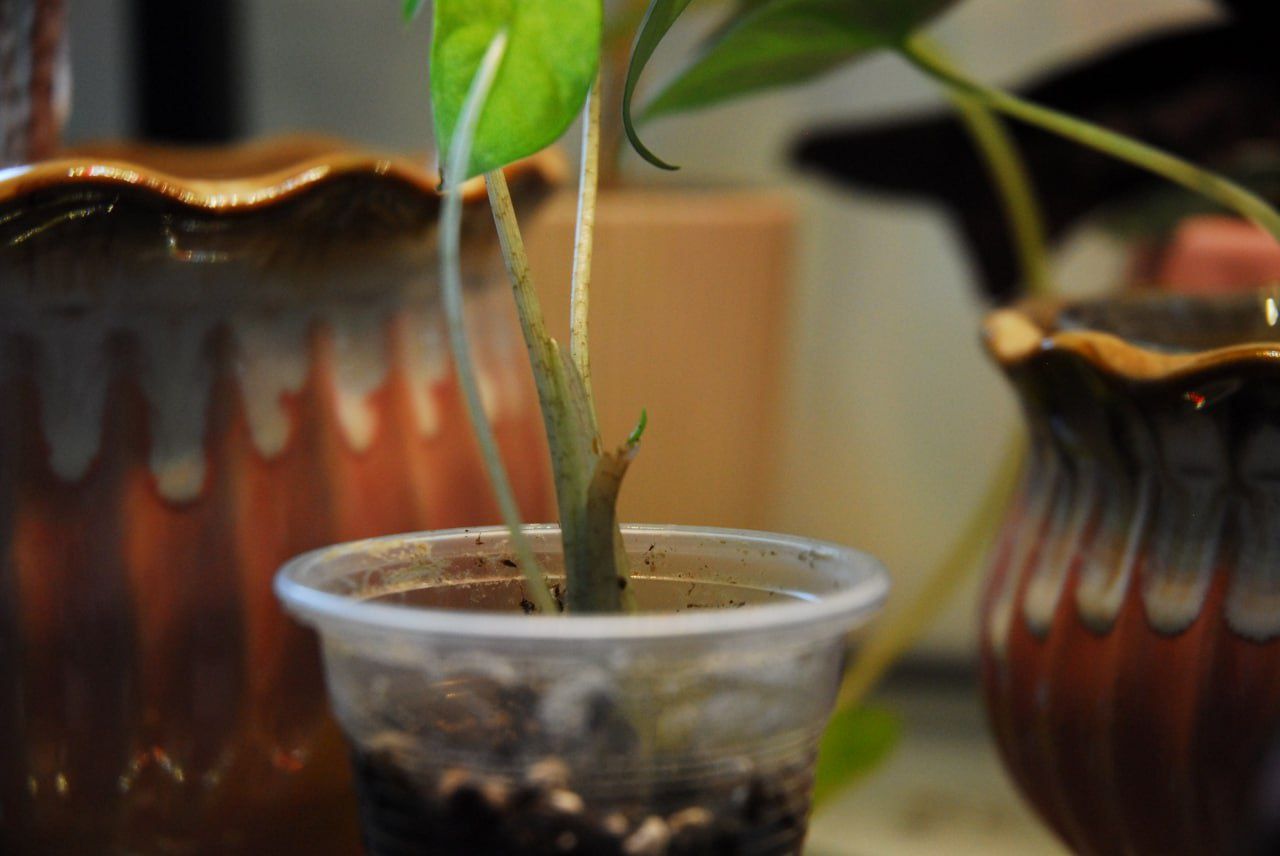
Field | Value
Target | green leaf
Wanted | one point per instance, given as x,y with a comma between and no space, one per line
551,61
856,741
657,21
782,42
411,9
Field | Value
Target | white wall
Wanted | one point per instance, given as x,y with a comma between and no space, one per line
895,419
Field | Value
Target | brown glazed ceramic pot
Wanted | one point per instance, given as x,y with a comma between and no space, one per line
209,362
34,78
1131,624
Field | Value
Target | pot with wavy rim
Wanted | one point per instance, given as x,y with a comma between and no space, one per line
1131,622
210,361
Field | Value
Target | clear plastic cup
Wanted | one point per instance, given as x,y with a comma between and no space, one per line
689,727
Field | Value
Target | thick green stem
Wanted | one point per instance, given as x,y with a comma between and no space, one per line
570,454
580,303
600,531
451,291
543,351
567,417
584,238
1175,169
1009,174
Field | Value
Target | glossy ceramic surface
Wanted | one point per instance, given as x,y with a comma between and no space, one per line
1131,623
210,361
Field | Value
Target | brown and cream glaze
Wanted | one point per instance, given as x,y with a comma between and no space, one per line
1131,622
209,362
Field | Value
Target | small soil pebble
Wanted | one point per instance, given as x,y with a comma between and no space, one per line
651,839
549,773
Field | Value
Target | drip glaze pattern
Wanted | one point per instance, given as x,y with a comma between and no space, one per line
1131,621
199,378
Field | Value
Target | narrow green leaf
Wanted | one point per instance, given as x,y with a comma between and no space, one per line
451,299
857,740
411,9
781,42
550,64
657,21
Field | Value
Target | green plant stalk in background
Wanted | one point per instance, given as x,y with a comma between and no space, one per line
1013,183
767,44
1226,193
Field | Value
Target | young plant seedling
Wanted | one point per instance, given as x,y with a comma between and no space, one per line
507,79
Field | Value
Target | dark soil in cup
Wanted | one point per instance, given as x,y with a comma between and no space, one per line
460,813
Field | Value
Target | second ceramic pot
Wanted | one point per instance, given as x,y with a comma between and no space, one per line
1131,622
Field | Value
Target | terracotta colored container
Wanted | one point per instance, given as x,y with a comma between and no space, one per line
210,362
1131,624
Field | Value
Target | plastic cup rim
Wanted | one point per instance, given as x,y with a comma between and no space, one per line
837,612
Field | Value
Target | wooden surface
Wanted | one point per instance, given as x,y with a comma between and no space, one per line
689,318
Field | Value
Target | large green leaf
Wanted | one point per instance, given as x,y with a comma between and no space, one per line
855,742
552,56
779,42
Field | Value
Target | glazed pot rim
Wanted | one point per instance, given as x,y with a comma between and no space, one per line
1019,333
248,176
811,614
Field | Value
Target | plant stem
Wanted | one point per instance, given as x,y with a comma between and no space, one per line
570,462
1175,169
1009,174
451,289
539,342
601,533
568,422
584,236
579,328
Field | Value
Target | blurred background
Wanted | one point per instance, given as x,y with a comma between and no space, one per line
879,422
890,422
